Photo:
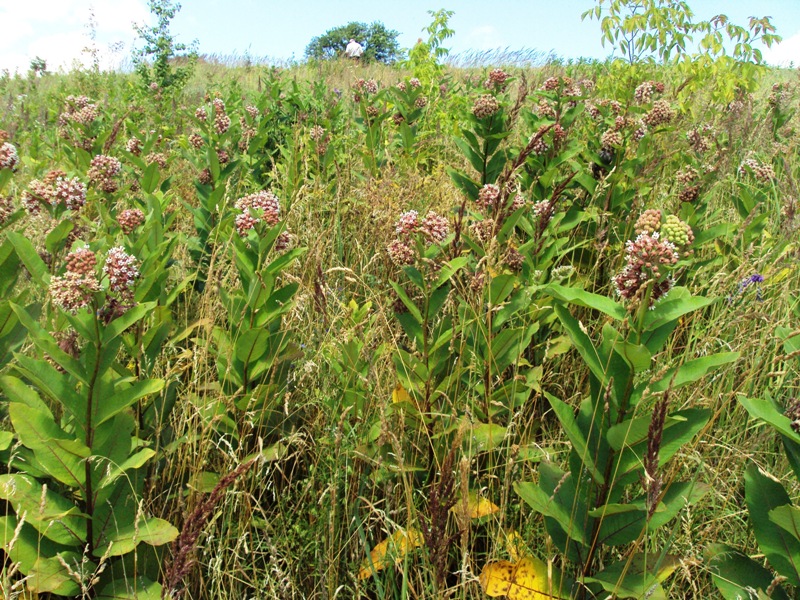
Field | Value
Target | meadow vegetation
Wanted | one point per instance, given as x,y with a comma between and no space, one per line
422,330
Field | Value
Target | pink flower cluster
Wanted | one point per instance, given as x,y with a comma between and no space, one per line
434,227
122,271
103,171
55,190
78,109
130,219
260,207
8,156
649,258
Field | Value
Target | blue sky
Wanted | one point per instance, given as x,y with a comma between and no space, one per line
57,30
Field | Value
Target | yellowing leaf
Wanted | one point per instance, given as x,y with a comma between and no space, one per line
390,550
526,579
496,578
476,507
516,546
399,394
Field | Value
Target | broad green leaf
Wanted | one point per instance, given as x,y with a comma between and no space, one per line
18,391
120,324
782,549
765,410
152,531
50,575
135,461
788,518
56,451
130,588
556,496
54,384
691,371
58,235
30,258
483,437
251,345
638,577
52,515
624,523
150,178
736,574
604,304
677,303
566,417
105,408
23,544
449,269
407,302
582,342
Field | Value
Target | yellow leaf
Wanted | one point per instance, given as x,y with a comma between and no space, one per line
496,578
526,579
476,507
390,550
515,545
399,394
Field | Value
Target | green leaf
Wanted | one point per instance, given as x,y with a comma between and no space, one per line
765,410
566,417
106,408
130,588
604,304
624,523
55,517
136,461
57,236
788,518
56,451
120,324
762,495
566,506
637,577
150,178
677,303
152,531
692,370
30,258
582,343
54,384
412,308
252,345
736,574
483,437
17,391
23,544
449,269
50,574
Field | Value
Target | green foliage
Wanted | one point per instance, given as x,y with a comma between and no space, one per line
380,44
155,61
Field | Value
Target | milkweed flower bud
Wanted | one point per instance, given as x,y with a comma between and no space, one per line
73,291
122,270
130,219
485,106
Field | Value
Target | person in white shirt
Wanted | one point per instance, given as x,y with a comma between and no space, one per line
354,50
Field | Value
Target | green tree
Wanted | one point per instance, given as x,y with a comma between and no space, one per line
154,62
380,44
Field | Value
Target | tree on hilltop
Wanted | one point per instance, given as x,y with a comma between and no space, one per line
380,44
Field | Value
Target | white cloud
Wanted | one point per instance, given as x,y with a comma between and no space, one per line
58,31
486,37
788,51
